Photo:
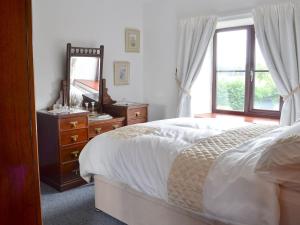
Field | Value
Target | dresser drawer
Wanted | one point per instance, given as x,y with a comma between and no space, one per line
73,136
73,123
102,127
72,153
137,113
135,121
70,171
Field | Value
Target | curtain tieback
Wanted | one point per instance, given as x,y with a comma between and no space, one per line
286,97
182,88
180,85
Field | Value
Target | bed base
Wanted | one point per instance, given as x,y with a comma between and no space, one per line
289,207
134,208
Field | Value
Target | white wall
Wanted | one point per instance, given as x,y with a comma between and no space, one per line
160,90
93,22
86,23
160,29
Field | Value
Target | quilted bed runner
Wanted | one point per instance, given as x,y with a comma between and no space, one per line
191,166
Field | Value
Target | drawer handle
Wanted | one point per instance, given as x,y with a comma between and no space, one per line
75,154
76,171
137,114
98,130
115,126
74,124
74,138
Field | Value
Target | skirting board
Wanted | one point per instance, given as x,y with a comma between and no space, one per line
134,208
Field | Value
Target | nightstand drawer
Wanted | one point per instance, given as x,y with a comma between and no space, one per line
73,136
73,123
99,128
137,113
70,171
72,153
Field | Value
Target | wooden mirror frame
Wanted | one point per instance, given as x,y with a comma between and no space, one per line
84,52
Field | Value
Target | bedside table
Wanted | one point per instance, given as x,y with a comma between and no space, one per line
133,113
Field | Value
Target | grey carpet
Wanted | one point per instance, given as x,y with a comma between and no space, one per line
73,207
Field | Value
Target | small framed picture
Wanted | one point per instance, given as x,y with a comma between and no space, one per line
132,40
121,72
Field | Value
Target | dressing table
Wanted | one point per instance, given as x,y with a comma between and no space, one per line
62,136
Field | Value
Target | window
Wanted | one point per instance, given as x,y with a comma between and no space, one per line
242,83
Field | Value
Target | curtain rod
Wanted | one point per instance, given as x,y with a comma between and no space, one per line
234,17
244,13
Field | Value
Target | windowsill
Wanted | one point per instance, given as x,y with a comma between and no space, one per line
239,118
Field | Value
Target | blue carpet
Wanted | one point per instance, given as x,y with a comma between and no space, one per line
73,207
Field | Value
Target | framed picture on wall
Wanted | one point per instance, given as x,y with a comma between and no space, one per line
121,72
132,40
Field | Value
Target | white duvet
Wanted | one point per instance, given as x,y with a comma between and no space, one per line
144,164
235,194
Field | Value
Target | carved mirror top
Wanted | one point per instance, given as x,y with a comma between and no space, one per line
89,52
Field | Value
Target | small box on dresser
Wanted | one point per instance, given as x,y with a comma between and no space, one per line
61,138
133,113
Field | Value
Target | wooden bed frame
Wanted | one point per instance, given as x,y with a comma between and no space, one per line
135,208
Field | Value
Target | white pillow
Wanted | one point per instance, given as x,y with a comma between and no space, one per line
280,161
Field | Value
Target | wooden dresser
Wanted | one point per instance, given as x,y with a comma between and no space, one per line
60,140
62,137
133,113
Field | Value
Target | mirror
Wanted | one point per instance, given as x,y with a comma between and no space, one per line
84,79
84,76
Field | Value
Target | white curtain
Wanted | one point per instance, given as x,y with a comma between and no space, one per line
277,29
194,37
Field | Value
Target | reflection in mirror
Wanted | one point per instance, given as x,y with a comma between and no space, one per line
84,79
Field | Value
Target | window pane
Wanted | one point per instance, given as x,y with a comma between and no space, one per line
230,91
266,96
232,50
260,63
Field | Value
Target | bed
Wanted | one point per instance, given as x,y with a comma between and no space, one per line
186,171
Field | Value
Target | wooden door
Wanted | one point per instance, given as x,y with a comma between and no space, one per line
19,178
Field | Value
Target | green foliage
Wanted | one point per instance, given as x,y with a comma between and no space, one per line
231,94
231,91
265,89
